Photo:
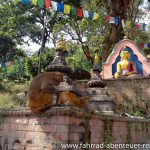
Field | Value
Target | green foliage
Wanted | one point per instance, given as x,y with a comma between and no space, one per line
9,97
33,61
74,61
138,113
146,51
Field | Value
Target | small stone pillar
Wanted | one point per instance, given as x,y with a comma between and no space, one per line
59,63
99,97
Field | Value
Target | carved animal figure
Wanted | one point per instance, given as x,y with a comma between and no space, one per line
41,90
70,98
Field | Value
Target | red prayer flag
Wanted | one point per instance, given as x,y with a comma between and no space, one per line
142,46
137,26
79,12
107,18
47,4
88,56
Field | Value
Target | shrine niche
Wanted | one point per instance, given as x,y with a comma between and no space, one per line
139,64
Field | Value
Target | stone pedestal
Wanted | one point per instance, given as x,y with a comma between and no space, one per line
100,100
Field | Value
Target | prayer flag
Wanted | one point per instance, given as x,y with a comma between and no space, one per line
123,23
85,14
88,56
96,15
141,26
60,7
3,65
107,18
116,21
73,11
91,14
26,2
128,23
142,46
67,9
54,5
144,26
145,45
47,4
112,20
137,26
34,2
41,3
0,65
79,12
132,24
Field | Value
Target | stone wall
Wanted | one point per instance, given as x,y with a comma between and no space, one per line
20,130
130,95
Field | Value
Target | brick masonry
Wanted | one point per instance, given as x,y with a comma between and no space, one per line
129,95
21,130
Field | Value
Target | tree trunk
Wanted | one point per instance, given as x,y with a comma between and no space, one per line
115,31
114,34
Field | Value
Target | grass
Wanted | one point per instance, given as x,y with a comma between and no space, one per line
9,97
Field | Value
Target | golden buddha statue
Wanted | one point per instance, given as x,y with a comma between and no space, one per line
128,68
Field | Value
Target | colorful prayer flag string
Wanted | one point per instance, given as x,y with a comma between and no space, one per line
145,46
6,64
67,9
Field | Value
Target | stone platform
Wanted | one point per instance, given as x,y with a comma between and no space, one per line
21,130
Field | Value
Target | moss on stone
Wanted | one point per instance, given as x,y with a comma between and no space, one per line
107,132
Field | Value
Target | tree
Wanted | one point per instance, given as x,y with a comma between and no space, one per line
9,50
28,21
99,34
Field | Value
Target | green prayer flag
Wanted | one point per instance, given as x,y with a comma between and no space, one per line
41,3
132,24
73,11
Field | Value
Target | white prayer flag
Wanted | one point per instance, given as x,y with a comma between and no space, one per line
54,5
123,23
85,14
112,20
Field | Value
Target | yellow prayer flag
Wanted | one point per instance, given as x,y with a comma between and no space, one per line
96,15
34,2
128,23
67,9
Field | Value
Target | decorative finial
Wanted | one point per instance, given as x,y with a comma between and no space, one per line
125,37
61,45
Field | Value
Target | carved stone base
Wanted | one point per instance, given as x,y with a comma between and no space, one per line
100,100
103,106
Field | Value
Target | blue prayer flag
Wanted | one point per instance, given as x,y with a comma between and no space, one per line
60,7
148,45
26,2
3,65
91,14
144,26
116,21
